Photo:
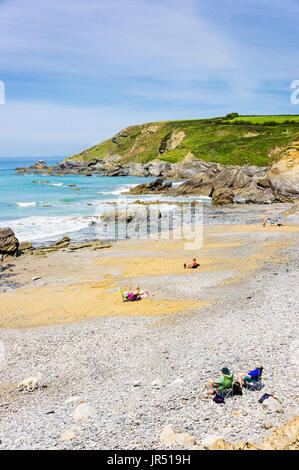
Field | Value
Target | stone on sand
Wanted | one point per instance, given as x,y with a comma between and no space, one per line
84,412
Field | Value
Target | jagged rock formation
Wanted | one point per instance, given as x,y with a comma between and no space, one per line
9,243
156,186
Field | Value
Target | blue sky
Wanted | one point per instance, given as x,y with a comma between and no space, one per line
77,72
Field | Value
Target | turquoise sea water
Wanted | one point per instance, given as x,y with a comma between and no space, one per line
46,212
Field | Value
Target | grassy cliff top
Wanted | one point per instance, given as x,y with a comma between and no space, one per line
230,140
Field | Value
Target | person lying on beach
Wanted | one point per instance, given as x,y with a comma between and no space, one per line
224,381
194,265
135,295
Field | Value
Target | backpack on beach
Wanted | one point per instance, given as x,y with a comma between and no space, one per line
218,398
237,389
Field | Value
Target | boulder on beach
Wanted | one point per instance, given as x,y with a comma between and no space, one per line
196,186
9,243
223,196
157,186
128,214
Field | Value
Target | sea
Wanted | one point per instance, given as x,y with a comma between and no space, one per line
44,208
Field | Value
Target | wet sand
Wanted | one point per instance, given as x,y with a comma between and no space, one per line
78,286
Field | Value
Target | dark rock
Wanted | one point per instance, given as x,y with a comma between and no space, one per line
223,196
196,186
156,186
255,195
40,165
9,244
25,246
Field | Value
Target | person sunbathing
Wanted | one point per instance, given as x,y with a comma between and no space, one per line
194,264
135,295
249,376
131,295
225,381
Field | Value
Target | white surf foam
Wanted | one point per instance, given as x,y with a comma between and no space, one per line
35,229
26,204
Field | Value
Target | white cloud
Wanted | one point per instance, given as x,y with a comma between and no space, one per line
95,37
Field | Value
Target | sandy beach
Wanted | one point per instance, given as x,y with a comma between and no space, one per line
143,365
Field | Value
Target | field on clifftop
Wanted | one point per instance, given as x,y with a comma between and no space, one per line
231,140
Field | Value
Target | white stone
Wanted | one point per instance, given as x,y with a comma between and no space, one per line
168,434
177,381
83,412
31,383
272,404
185,440
68,435
210,440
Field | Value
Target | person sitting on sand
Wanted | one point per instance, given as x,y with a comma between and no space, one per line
194,264
279,221
224,381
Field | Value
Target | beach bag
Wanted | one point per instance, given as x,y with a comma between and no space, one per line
218,398
265,397
237,389
268,395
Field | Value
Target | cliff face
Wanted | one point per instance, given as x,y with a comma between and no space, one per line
284,175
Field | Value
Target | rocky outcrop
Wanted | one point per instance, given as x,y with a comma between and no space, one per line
127,215
191,166
283,176
224,183
172,141
9,243
62,244
40,165
249,184
197,186
156,186
222,196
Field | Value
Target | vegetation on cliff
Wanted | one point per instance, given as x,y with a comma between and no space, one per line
230,140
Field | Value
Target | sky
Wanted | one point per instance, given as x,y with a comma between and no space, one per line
76,72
